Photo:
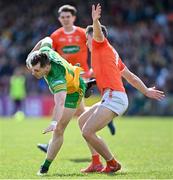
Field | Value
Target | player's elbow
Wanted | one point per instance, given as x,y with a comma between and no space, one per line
47,41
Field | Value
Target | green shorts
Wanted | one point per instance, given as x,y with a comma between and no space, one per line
73,100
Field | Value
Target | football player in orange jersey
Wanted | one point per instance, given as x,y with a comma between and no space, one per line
109,71
70,42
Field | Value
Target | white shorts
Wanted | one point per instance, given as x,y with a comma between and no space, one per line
116,101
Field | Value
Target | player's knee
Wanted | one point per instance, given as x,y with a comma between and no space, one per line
59,130
86,133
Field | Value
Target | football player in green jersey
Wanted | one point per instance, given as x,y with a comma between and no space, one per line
66,85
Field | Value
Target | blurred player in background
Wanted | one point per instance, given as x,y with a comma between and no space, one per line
66,85
109,70
70,42
18,90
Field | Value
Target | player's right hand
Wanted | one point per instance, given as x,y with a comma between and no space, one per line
51,127
96,12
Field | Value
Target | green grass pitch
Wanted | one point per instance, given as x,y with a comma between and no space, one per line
143,145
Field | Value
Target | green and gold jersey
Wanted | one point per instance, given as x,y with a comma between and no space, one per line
62,76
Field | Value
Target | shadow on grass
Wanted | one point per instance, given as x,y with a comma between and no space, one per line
66,175
125,174
121,174
78,160
86,174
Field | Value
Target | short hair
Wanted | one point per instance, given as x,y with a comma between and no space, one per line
89,30
67,8
41,58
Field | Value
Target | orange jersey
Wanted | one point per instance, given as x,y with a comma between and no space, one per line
71,46
107,66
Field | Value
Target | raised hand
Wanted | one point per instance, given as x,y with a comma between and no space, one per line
154,93
96,12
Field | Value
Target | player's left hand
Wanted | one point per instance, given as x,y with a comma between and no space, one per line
154,93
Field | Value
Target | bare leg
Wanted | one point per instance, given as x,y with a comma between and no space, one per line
82,120
80,109
57,139
99,119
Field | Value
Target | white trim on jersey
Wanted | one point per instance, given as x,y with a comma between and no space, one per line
74,29
116,56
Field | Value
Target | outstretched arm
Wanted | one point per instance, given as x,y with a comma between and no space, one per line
136,82
97,31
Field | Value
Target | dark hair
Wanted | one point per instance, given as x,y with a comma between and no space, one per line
89,30
67,8
41,58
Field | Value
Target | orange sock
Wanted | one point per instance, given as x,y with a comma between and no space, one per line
112,162
96,159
